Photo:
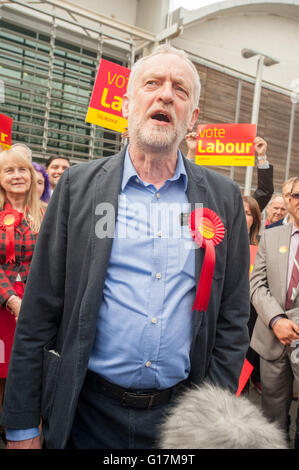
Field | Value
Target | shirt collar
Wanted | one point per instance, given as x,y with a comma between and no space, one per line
130,172
294,229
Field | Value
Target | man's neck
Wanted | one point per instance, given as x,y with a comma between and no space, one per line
154,167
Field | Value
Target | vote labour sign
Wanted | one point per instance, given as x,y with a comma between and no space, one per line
106,99
5,132
225,144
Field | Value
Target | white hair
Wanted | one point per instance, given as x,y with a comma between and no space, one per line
166,49
208,417
274,196
19,146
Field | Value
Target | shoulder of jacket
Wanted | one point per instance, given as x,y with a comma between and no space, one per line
90,165
212,177
91,168
277,230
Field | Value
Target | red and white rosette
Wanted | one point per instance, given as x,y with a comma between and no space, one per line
207,230
9,220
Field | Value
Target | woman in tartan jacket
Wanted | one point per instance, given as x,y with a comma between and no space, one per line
20,219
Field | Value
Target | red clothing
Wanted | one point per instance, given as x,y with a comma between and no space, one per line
7,332
25,241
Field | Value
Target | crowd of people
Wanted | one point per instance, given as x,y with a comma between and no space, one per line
110,331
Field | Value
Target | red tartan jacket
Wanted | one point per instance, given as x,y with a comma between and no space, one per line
25,241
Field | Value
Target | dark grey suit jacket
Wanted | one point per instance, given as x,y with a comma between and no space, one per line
57,323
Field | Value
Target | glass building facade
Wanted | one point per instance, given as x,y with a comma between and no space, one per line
48,83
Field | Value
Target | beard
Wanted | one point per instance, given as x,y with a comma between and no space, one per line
153,138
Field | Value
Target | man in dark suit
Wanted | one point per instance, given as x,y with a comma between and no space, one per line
108,336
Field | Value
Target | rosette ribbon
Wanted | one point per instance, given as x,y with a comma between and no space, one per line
9,220
207,230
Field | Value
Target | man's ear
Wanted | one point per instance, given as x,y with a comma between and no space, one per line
193,119
125,106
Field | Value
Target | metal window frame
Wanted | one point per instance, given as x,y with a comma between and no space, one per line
57,110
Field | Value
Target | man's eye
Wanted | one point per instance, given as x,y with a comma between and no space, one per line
182,90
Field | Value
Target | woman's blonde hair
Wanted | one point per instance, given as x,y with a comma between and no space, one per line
34,211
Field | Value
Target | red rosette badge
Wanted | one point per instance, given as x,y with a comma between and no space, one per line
207,230
9,220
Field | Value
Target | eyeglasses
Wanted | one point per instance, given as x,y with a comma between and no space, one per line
295,196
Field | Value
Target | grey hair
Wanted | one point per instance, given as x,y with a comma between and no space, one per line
24,148
295,181
166,49
209,417
274,196
290,182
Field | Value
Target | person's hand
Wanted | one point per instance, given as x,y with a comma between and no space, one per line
125,134
286,331
26,444
261,149
14,305
191,140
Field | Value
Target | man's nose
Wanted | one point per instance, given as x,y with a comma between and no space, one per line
166,92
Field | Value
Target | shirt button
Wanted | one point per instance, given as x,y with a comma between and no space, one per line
154,320
158,195
158,276
137,180
148,364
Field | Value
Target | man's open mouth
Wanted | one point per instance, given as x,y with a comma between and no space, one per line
160,116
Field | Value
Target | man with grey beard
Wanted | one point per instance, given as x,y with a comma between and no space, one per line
110,330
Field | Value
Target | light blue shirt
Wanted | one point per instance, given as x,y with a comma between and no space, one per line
144,329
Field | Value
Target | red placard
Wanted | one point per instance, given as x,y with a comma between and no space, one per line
225,144
106,100
5,132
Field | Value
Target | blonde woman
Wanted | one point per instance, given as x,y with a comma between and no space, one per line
21,215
